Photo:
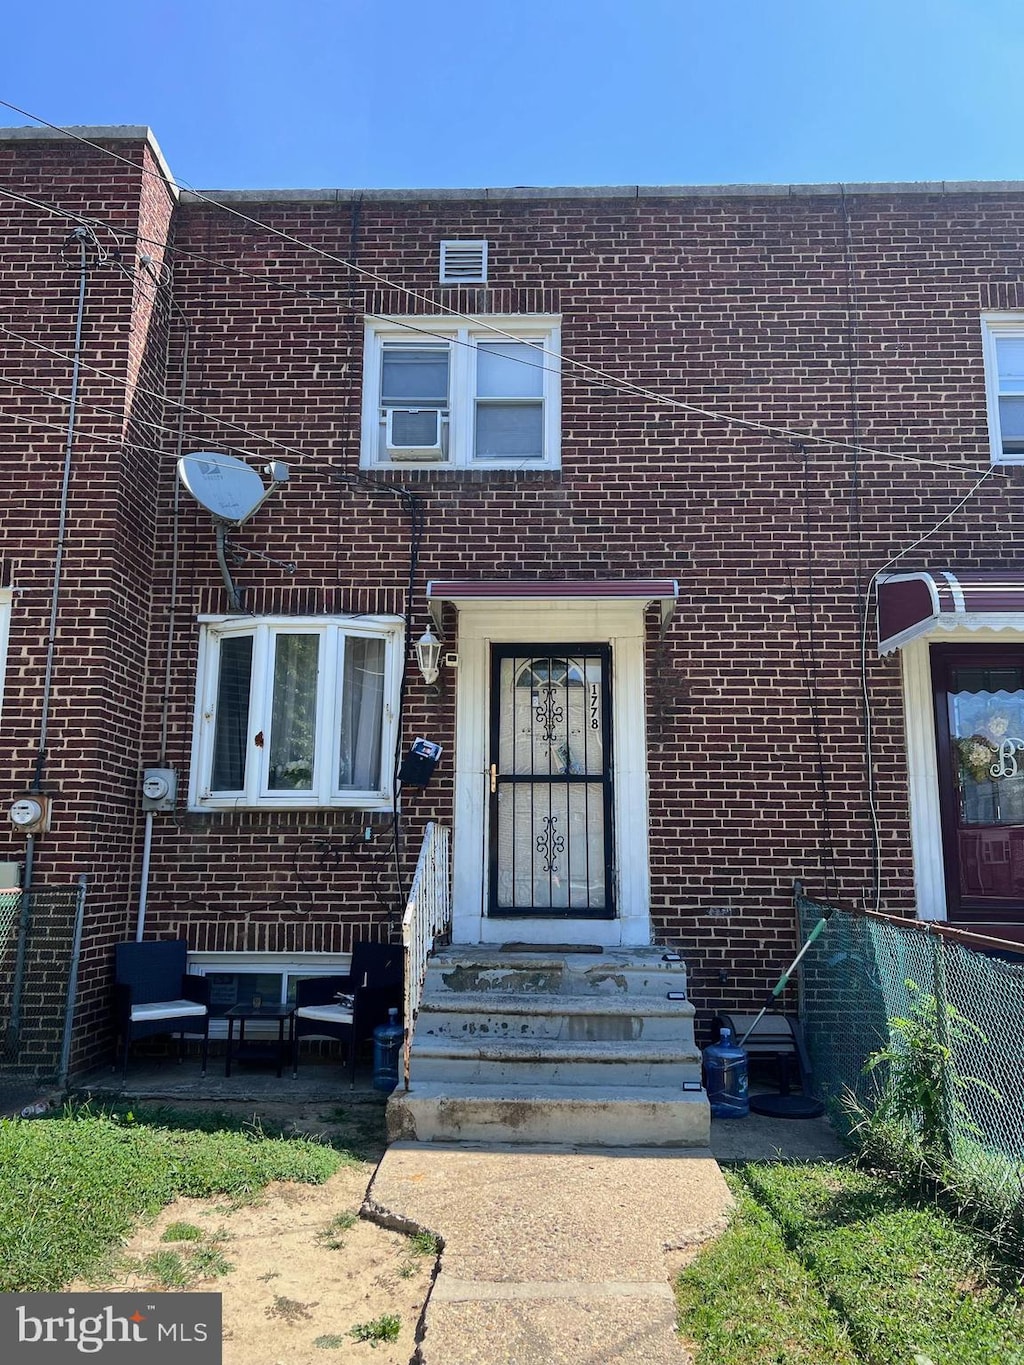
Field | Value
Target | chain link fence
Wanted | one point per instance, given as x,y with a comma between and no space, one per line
40,936
865,972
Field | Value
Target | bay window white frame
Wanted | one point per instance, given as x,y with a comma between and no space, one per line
332,632
462,338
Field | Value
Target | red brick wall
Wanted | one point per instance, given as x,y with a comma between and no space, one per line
101,640
848,318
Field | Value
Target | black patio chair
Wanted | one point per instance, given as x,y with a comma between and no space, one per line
154,994
348,1008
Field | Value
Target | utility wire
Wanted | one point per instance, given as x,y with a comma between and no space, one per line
153,393
480,323
869,758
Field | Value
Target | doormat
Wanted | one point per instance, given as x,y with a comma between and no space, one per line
551,948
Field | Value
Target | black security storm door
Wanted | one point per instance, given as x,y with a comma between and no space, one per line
550,823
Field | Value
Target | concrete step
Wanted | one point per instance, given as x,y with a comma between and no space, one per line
620,1116
568,1017
614,973
507,1061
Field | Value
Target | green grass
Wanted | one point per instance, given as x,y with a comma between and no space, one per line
75,1184
182,1232
832,1265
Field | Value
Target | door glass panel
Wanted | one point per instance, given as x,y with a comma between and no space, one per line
293,715
552,718
986,724
986,730
551,847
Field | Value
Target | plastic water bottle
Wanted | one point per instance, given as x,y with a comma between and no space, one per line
387,1048
725,1073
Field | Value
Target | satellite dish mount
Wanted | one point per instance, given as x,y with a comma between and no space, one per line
231,491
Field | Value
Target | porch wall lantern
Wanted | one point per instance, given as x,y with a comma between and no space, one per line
428,656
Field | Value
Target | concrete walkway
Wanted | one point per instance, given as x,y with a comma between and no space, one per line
557,1255
552,1255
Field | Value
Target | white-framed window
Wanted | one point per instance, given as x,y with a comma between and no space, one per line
296,712
236,978
447,392
1003,341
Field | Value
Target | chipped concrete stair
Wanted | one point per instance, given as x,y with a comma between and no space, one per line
553,1047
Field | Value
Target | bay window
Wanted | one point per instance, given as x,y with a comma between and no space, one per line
296,712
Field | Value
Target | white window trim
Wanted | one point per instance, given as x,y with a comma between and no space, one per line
6,599
216,628
992,326
542,329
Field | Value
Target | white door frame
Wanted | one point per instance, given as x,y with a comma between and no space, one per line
552,621
922,762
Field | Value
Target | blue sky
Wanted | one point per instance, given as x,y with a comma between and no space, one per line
401,93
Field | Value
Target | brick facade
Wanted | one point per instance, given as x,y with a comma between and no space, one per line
849,315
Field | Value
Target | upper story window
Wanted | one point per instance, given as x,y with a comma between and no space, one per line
438,391
296,712
1003,338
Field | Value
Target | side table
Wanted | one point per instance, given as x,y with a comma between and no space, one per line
265,1049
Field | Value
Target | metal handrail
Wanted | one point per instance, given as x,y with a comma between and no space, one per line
428,916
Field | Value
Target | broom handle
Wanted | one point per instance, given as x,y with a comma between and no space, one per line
783,980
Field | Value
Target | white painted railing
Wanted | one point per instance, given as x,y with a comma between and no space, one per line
428,916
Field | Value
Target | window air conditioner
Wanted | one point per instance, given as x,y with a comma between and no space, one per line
414,433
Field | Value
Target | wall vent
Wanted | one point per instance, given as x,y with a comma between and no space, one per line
464,262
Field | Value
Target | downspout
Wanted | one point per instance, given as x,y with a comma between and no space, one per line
147,848
85,238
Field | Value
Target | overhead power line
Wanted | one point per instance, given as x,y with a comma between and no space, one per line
623,385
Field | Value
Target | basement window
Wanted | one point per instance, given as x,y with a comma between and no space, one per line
296,712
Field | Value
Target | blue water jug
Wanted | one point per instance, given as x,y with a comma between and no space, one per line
725,1075
387,1050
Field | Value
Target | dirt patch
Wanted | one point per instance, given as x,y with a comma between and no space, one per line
298,1270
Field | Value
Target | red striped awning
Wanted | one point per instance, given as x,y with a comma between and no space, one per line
912,604
664,591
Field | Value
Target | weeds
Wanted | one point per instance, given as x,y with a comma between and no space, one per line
332,1235
384,1328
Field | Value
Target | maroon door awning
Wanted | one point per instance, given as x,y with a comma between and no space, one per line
912,604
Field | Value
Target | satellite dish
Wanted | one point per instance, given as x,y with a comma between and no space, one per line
227,487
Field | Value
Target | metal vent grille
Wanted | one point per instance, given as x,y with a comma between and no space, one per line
464,262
